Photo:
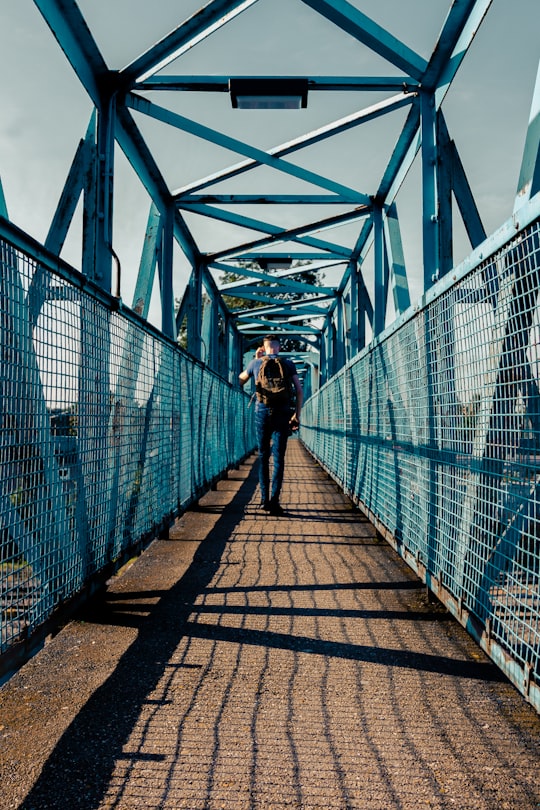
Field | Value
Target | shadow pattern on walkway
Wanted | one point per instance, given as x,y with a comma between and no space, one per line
296,664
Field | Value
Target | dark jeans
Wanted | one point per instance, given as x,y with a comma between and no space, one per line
272,426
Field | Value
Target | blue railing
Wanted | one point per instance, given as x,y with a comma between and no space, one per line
107,432
434,430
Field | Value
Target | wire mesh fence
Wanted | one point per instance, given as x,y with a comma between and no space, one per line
107,431
434,431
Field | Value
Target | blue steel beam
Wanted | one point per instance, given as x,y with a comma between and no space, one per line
463,21
345,279
396,259
445,183
146,107
70,29
465,200
302,319
291,272
284,326
89,234
71,193
39,288
220,84
207,327
200,25
296,234
3,206
317,136
402,156
380,286
430,187
273,292
363,242
293,305
147,266
365,30
352,289
306,311
334,251
460,26
291,284
182,313
241,251
194,310
138,154
529,175
298,270
263,199
261,297
101,269
72,34
355,306
295,256
168,326
298,303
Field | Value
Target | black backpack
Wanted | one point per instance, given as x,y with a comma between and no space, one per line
273,385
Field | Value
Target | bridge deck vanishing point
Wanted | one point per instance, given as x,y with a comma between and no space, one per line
255,662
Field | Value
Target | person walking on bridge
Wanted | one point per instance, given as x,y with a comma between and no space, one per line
275,377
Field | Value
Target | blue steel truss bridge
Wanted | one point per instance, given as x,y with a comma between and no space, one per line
318,169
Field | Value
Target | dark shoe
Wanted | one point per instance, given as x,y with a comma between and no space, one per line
266,505
276,510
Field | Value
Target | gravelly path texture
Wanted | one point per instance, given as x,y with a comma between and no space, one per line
263,663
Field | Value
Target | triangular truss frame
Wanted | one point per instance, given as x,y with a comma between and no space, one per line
333,321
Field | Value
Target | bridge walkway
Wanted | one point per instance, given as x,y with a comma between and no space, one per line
251,662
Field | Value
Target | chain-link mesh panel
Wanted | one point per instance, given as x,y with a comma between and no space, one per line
435,431
106,432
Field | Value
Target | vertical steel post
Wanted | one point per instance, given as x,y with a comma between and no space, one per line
168,324
430,200
354,309
340,334
104,192
328,353
330,347
380,291
90,205
194,315
234,354
206,327
445,182
363,302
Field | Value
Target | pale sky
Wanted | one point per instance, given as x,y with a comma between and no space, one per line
45,111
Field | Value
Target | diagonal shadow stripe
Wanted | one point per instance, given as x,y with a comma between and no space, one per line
355,652
330,613
391,585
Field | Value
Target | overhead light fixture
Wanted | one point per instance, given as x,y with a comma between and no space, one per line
268,94
274,264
